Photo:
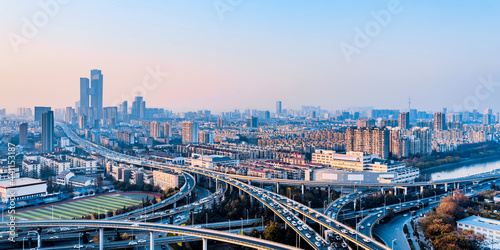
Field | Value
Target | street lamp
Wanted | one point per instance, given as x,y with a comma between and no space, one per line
241,225
435,194
52,211
400,207
393,243
206,224
23,242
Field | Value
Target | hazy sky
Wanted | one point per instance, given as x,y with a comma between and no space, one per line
252,53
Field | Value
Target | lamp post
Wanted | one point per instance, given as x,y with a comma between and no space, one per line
400,207
393,243
206,223
241,225
23,242
52,211
435,194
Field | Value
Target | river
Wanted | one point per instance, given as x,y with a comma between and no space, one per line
462,169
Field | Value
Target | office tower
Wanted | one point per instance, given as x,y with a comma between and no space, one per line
413,115
69,114
82,121
252,122
439,121
267,114
110,116
458,117
220,122
278,107
96,82
48,132
167,130
189,132
142,110
368,140
404,120
365,123
155,129
136,107
23,134
39,111
487,117
84,93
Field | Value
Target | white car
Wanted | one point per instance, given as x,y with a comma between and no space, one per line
367,240
77,246
308,235
133,243
142,241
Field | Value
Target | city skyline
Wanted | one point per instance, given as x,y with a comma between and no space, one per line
191,59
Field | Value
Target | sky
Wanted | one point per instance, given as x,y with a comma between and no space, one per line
237,54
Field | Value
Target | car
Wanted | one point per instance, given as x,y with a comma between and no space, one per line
89,246
78,246
368,225
317,238
135,225
133,243
142,241
378,215
294,223
344,231
51,231
367,240
344,245
317,244
338,225
404,205
352,232
54,237
308,235
362,227
404,215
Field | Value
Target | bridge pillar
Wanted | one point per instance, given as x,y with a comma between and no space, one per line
249,182
239,192
151,240
209,182
277,187
204,243
434,186
329,195
446,187
458,185
231,188
39,243
406,190
216,183
175,204
455,185
302,189
421,189
395,191
101,238
382,190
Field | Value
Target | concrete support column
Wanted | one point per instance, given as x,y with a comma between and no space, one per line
446,187
175,204
434,186
231,188
101,238
216,183
209,182
455,185
329,194
151,240
204,243
421,190
239,191
39,243
395,191
458,185
406,190
382,190
302,189
277,187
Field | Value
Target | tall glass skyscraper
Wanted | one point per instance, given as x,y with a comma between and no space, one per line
96,81
48,131
84,92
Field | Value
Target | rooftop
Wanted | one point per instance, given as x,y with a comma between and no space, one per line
481,222
20,182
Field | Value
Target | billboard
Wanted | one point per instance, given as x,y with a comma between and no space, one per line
326,176
355,177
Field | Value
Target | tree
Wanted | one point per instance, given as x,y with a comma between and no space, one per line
98,181
255,233
45,173
96,238
273,232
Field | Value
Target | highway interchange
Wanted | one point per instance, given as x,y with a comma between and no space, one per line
287,210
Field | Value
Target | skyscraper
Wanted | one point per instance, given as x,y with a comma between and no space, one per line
252,122
96,81
439,121
190,132
136,107
278,107
48,132
404,120
487,117
167,130
39,111
23,134
84,93
155,129
220,122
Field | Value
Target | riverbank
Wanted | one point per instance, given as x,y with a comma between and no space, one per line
461,163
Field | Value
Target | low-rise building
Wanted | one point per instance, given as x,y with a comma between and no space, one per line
489,228
165,179
23,188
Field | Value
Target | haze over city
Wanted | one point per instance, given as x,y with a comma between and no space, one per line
257,53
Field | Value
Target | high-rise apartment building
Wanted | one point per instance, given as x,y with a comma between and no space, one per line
167,130
404,120
155,129
220,122
190,132
488,116
368,140
365,123
23,134
136,107
439,121
48,132
252,122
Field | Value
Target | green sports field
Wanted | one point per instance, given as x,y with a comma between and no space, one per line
81,207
